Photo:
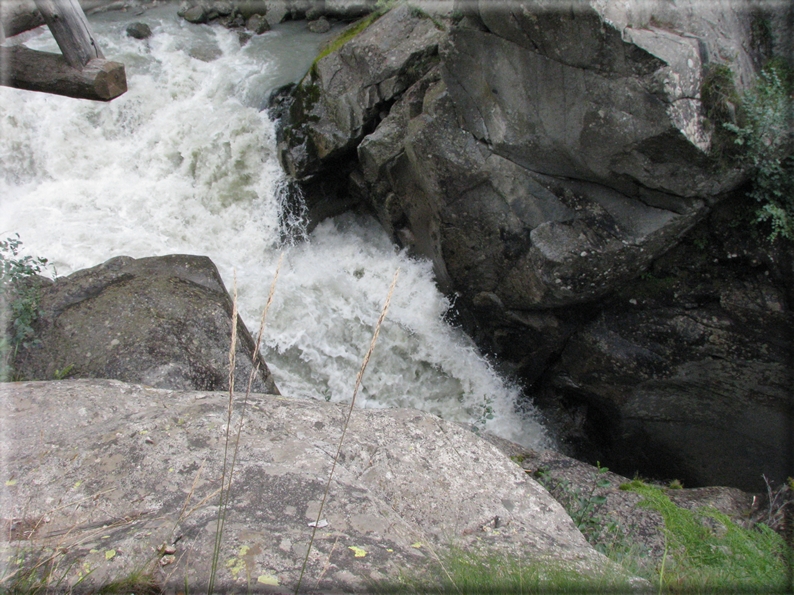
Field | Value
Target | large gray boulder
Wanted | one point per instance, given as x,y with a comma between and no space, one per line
127,479
551,155
345,92
162,321
687,370
562,149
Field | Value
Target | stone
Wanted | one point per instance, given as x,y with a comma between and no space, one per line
196,15
161,321
321,25
687,371
407,486
565,477
258,24
249,8
139,31
345,91
349,10
277,12
224,8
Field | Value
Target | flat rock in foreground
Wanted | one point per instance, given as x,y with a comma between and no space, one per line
112,471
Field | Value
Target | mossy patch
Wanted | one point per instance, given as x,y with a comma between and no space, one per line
349,33
719,100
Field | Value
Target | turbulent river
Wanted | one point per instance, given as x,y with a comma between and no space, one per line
185,162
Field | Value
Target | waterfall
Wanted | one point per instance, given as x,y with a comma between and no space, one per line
185,162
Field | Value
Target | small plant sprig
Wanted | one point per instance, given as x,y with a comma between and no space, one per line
583,507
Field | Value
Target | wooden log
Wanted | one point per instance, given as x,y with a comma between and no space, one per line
71,30
23,68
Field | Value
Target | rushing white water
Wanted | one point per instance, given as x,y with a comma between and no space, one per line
185,162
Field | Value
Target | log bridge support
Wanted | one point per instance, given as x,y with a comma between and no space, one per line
80,70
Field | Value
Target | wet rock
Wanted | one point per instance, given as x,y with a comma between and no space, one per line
277,11
139,31
348,10
249,8
224,8
407,485
162,321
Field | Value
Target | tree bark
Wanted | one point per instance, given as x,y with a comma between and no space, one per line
23,68
71,30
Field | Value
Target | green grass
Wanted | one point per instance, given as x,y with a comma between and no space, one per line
709,553
473,573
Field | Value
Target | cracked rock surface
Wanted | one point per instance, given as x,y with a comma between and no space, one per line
126,477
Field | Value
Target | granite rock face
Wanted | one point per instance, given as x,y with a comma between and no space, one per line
127,478
162,321
691,364
547,156
347,92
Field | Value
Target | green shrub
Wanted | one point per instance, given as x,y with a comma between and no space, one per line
765,135
19,298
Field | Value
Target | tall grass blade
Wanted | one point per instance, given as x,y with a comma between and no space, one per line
223,498
347,422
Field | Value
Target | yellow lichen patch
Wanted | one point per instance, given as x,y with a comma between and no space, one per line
11,482
357,551
110,554
235,566
417,545
267,579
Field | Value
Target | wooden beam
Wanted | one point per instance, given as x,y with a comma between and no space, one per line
23,68
71,30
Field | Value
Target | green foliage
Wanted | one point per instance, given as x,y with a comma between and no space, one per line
710,552
64,372
584,506
767,142
20,299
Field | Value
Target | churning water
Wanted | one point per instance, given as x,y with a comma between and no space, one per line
185,162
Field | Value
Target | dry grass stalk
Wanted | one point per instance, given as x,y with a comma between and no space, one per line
224,497
226,484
